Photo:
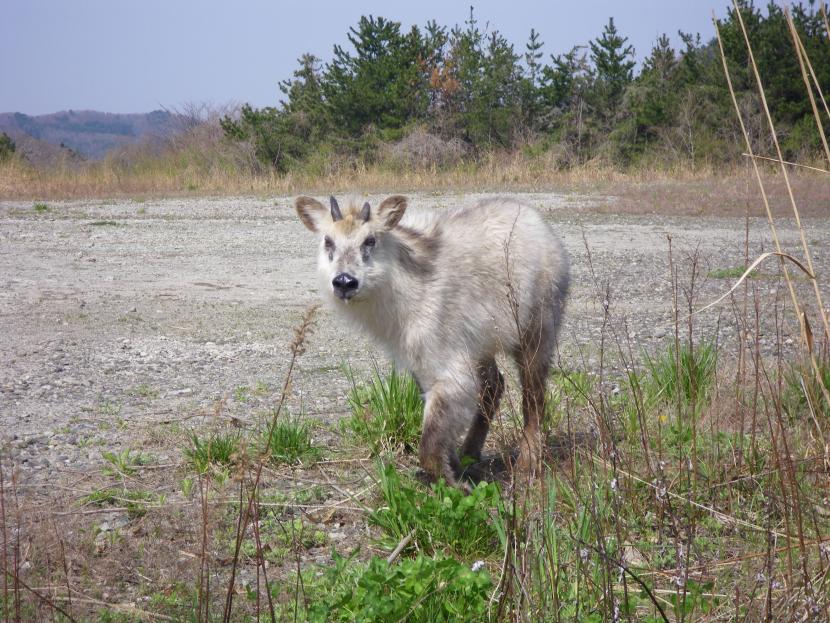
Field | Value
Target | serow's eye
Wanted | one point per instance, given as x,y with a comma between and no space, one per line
328,243
369,242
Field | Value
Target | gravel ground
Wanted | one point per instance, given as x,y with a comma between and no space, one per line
122,316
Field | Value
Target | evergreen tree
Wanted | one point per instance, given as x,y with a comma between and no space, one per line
614,68
381,84
534,117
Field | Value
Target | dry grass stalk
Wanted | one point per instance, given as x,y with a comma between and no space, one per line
249,510
800,315
788,163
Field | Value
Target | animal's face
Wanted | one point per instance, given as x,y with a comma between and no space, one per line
356,248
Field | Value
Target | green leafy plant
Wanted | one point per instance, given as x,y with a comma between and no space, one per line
444,518
124,463
386,412
279,538
418,590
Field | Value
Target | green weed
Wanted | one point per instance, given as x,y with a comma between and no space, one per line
124,463
144,391
241,393
290,441
802,393
566,389
444,518
420,590
280,538
220,450
386,412
688,375
730,273
41,207
134,500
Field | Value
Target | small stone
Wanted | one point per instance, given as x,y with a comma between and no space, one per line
187,391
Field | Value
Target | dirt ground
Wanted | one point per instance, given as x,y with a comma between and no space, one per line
161,308
124,323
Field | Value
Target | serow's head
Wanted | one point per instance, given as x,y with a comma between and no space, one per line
356,245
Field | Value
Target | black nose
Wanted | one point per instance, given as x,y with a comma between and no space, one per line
344,285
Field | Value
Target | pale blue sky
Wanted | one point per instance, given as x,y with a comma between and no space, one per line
139,55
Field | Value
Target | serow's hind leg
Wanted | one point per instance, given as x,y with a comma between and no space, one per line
534,364
491,386
533,406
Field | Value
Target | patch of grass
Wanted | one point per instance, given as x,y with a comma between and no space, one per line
241,393
687,374
566,389
444,518
802,393
103,223
290,441
124,463
144,391
177,599
730,273
134,500
106,407
280,538
41,207
386,412
219,450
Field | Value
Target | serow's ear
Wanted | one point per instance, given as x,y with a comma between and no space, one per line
311,212
391,210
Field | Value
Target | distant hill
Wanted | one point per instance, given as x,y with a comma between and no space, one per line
88,133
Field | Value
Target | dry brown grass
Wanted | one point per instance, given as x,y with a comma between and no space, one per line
705,191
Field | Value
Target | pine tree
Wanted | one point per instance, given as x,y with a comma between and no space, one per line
533,55
381,83
534,117
662,60
614,66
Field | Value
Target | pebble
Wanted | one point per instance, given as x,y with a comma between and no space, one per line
187,391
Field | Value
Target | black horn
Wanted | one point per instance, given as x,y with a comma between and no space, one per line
366,212
336,215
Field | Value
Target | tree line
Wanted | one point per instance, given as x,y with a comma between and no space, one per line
471,86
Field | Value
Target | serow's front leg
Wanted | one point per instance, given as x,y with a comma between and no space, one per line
437,453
